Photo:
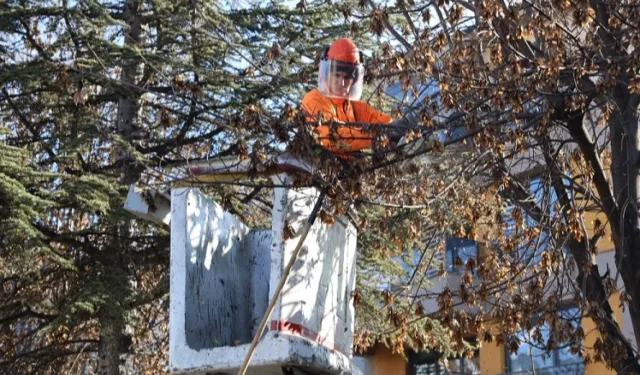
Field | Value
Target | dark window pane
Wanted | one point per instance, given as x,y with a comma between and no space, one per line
462,248
429,363
530,354
467,366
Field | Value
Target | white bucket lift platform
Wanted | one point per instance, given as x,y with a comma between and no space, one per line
223,275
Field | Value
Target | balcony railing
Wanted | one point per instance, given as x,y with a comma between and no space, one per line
566,369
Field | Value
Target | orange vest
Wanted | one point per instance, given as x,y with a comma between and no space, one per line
343,138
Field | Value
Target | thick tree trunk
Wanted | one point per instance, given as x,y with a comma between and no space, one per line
618,352
129,103
111,334
616,349
112,324
625,149
624,218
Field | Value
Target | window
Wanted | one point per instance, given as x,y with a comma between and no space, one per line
465,365
429,363
530,251
461,248
531,355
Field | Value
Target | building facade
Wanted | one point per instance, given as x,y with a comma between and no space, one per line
492,358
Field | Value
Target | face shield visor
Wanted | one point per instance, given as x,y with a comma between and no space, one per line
341,79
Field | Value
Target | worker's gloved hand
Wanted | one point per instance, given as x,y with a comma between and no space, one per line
397,129
394,134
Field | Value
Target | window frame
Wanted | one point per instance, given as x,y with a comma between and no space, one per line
432,357
555,354
450,255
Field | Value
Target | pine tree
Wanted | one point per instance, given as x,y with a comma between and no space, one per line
97,95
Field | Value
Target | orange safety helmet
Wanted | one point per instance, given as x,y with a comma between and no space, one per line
344,49
341,72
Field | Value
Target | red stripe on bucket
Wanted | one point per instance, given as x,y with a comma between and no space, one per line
302,331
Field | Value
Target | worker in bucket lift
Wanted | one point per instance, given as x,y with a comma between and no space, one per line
337,99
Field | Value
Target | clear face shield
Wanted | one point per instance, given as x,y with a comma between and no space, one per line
341,79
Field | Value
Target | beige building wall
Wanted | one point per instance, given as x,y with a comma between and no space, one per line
591,335
492,358
386,362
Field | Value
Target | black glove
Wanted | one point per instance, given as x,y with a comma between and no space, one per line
394,133
397,129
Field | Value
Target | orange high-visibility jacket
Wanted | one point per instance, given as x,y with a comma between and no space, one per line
344,138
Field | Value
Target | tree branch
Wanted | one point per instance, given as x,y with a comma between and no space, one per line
27,124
